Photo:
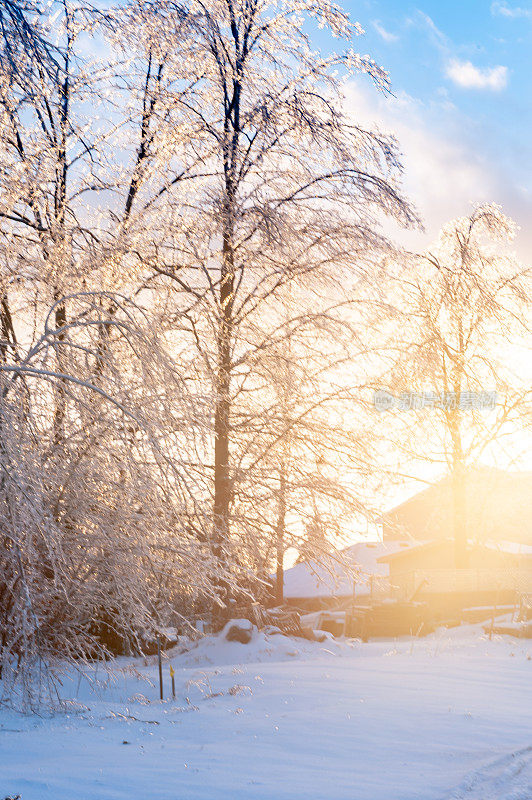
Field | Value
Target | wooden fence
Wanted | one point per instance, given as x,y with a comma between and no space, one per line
441,581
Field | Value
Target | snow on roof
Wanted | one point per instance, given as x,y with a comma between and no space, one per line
481,476
508,547
333,576
411,546
514,548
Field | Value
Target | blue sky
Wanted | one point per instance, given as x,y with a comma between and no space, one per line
462,109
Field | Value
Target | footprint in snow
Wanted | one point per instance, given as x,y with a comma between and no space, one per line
508,777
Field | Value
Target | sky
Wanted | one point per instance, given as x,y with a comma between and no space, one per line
460,103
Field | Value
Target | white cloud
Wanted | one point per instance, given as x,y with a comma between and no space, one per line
467,76
446,168
464,73
514,12
383,33
423,21
442,175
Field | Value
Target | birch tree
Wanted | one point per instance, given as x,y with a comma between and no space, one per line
103,511
281,188
460,332
97,550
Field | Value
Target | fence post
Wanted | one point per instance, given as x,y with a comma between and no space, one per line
160,666
172,675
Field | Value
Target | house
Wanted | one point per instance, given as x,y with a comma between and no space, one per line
416,557
428,567
498,508
498,573
353,574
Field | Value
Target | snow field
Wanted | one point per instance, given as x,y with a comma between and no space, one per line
443,718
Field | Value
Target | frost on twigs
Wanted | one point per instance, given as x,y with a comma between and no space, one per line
188,219
90,519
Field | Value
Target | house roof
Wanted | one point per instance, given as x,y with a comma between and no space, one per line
335,574
512,548
498,506
485,476
509,548
417,546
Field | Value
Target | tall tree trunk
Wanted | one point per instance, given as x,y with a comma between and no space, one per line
61,249
8,340
279,575
7,330
458,462
222,415
60,388
459,502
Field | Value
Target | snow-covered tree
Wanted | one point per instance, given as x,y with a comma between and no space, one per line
282,190
98,545
189,224
460,331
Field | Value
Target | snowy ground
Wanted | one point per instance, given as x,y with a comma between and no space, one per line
447,717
